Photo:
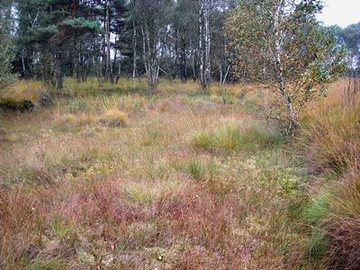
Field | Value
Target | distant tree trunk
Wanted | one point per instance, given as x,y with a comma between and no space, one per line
134,44
194,60
223,78
98,65
58,71
183,62
150,59
175,62
207,45
204,45
23,54
201,47
108,68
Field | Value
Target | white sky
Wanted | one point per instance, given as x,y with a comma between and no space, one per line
340,12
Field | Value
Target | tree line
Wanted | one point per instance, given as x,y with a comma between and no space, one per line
277,41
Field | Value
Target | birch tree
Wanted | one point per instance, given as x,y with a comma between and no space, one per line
153,21
204,43
284,39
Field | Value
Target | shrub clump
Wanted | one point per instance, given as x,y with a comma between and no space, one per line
77,105
9,105
114,118
46,100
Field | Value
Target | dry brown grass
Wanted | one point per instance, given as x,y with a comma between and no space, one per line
331,141
331,133
342,226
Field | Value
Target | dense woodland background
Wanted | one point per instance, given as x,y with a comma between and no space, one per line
202,40
185,39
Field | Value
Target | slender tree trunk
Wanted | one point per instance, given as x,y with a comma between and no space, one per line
150,58
292,112
207,44
23,54
183,62
108,68
204,45
223,78
201,47
134,71
175,57
194,60
58,71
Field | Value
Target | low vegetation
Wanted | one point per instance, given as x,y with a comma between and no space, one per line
176,181
330,140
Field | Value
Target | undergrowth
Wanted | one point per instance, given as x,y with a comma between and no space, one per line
111,178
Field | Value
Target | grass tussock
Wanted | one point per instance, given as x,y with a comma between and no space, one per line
331,137
232,138
24,90
330,140
335,216
111,118
342,225
114,118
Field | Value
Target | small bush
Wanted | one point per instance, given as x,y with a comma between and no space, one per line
9,105
315,213
46,100
114,118
262,137
146,194
76,105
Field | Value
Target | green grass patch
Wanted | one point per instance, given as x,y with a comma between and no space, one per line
317,246
318,209
51,264
232,138
196,169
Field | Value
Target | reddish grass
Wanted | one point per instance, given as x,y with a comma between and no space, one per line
331,136
193,212
343,225
22,221
100,202
331,144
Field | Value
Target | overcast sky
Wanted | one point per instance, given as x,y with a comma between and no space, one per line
341,12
